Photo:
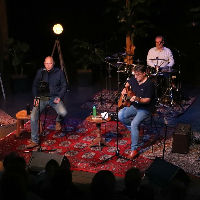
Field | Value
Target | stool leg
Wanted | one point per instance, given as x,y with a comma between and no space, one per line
18,128
22,123
41,127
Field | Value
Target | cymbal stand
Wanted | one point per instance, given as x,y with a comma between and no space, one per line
108,80
2,88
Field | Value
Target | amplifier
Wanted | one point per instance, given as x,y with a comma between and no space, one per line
181,139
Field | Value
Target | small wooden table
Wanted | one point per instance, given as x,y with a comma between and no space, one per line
98,141
21,116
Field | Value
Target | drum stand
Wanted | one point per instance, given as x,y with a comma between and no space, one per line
108,78
168,98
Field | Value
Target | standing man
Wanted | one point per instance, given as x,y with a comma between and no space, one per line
160,57
142,104
49,87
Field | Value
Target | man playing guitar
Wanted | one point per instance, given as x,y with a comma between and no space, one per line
141,104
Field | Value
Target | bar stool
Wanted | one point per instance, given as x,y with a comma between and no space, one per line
21,117
150,123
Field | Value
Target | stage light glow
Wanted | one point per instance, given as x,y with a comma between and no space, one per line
57,29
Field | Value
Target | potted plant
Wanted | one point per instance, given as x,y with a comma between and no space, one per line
17,54
86,57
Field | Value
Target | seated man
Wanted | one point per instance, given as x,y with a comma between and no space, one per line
49,87
142,104
160,57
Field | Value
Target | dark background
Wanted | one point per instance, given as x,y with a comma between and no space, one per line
96,22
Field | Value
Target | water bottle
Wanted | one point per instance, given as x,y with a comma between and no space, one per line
94,111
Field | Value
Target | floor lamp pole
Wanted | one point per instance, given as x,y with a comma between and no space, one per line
62,64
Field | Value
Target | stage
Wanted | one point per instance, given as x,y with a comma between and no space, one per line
80,133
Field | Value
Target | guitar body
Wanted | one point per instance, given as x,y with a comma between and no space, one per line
124,100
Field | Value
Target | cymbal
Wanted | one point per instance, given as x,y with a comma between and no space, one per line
124,63
110,58
157,59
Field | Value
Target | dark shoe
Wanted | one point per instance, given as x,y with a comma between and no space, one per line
133,154
32,145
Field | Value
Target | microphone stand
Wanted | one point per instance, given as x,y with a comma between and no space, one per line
117,152
165,137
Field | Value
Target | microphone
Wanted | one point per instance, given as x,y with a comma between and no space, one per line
165,121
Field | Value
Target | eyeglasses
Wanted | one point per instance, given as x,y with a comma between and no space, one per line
160,42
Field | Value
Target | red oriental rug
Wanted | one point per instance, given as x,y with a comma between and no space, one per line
76,146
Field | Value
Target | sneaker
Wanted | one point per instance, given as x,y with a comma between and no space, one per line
133,154
58,126
32,145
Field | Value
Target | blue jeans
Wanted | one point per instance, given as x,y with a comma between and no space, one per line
59,108
131,118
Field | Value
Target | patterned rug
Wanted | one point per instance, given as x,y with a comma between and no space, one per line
80,134
76,145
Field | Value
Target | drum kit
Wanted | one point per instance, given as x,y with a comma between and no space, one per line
166,80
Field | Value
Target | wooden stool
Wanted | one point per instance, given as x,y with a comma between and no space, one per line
21,116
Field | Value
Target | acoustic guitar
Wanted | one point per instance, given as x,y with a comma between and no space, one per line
124,100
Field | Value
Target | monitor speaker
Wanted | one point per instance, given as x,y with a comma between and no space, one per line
162,173
181,139
39,160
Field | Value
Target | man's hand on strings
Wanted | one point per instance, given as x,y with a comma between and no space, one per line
56,100
36,102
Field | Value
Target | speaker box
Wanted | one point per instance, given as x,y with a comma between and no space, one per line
39,160
162,173
181,139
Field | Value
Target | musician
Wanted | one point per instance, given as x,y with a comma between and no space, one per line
142,104
160,57
49,93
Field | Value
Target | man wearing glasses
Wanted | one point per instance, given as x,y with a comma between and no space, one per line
160,57
141,104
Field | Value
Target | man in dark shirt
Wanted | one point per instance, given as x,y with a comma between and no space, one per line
49,87
142,104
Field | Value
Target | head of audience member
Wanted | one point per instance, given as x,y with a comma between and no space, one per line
14,162
132,181
103,184
51,167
